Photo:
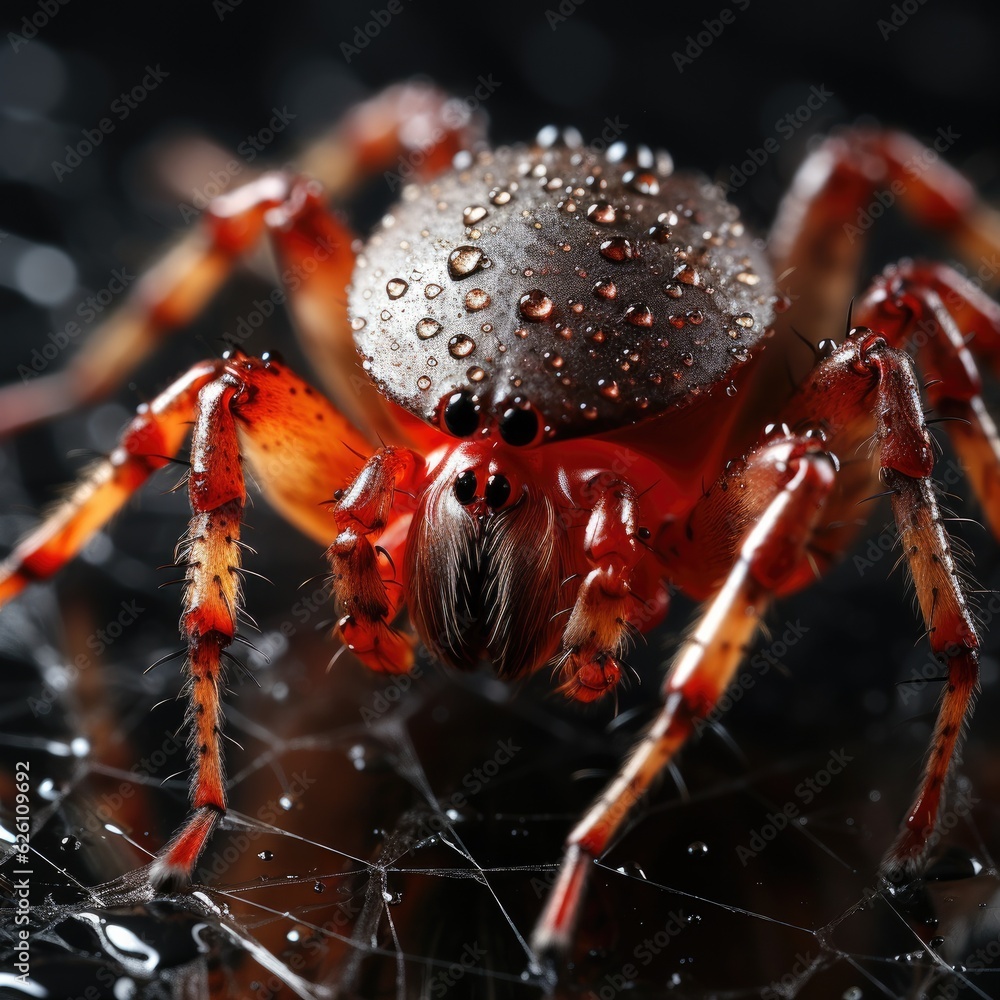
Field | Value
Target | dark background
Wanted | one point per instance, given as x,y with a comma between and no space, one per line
228,67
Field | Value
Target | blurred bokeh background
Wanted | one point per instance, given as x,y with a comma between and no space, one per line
364,862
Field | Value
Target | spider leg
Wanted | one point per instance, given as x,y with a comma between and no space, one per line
404,124
926,308
301,450
865,375
798,475
606,608
850,180
364,511
768,526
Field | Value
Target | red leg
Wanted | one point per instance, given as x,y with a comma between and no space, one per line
842,389
363,512
928,309
799,476
147,444
819,234
314,246
301,449
607,606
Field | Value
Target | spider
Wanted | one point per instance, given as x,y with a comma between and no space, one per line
551,409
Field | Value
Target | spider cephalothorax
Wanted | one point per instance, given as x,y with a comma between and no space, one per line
555,418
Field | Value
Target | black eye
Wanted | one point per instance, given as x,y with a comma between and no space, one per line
461,414
519,425
497,491
465,487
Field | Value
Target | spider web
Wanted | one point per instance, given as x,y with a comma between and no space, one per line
396,838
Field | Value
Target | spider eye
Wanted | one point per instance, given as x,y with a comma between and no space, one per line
461,414
465,487
519,425
497,491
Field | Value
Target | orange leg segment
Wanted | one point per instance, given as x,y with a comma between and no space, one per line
363,511
302,451
409,123
928,309
801,476
819,235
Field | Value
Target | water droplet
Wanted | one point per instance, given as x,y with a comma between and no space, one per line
598,337
687,359
423,383
602,213
642,182
745,320
474,214
70,844
606,290
730,389
464,261
357,324
748,278
396,288
696,317
476,299
461,346
659,233
476,374
432,291
318,886
688,275
553,361
265,855
697,849
535,305
608,388
639,315
427,328
521,332
618,248
674,291
385,315
500,196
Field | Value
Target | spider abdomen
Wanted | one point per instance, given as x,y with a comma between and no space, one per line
599,292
